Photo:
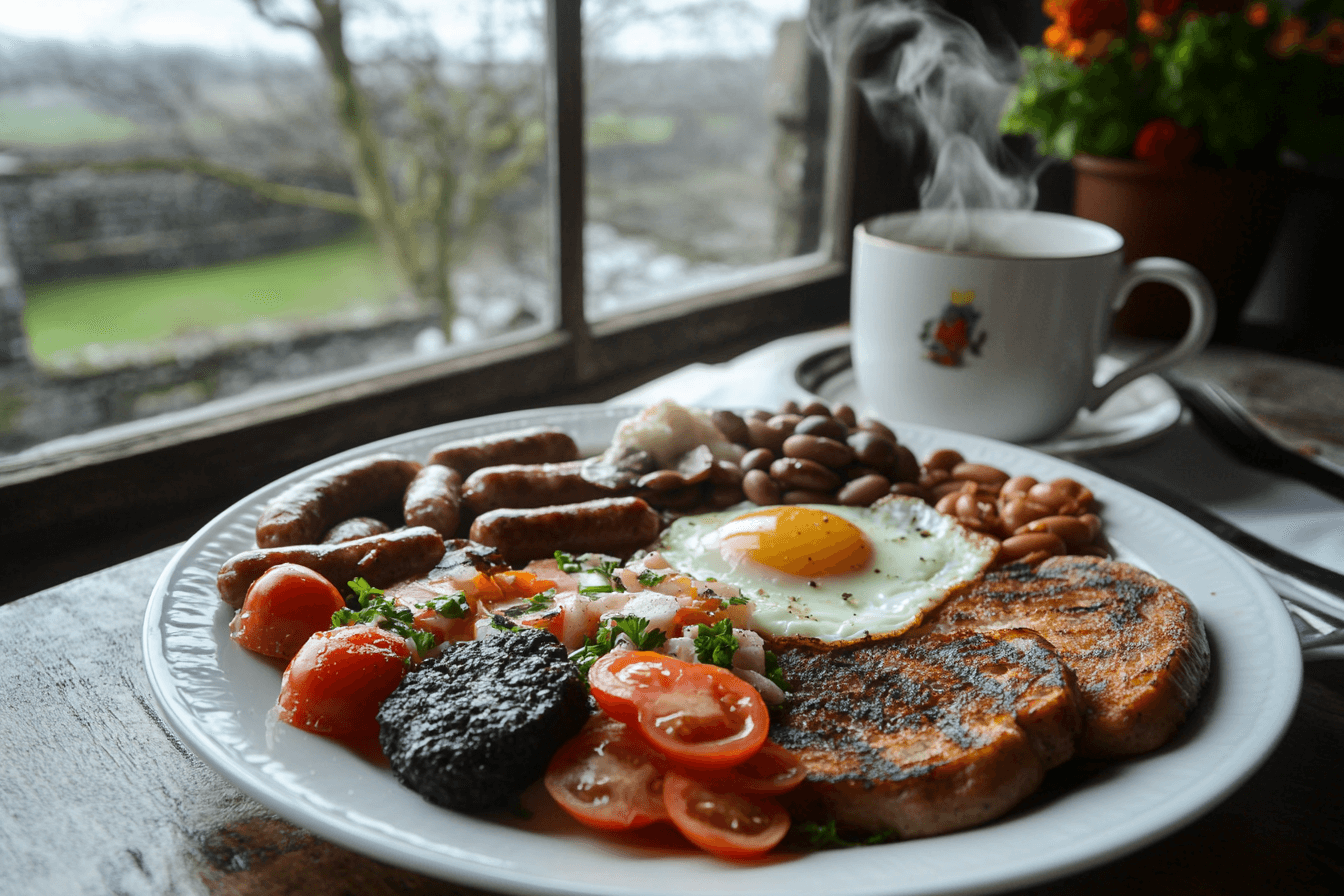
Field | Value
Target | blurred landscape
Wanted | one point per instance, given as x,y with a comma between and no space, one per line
180,282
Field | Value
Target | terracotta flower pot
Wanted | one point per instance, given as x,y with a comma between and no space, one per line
1221,221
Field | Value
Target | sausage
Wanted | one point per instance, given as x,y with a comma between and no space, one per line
382,560
355,527
615,526
434,499
536,445
306,510
530,485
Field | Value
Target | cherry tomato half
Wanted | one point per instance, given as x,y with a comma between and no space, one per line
286,605
339,678
608,778
695,714
720,821
769,771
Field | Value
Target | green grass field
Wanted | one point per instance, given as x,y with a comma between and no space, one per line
149,307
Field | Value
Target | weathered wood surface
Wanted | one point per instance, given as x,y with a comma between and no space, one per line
97,795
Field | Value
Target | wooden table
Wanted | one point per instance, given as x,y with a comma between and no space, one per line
98,796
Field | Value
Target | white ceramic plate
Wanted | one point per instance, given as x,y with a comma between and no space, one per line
216,696
1135,415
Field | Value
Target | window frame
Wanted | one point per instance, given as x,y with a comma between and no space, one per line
80,503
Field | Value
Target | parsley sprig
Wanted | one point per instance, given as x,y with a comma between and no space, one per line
535,603
825,836
635,628
716,643
378,610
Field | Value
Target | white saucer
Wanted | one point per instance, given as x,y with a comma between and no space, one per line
1136,414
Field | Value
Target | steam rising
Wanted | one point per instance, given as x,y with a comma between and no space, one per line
937,92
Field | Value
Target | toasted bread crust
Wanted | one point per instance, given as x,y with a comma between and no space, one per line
928,734
1136,644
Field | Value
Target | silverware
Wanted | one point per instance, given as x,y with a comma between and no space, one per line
1224,418
1310,592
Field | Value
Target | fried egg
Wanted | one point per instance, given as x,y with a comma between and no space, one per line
831,574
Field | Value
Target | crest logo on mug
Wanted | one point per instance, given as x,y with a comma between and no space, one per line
950,335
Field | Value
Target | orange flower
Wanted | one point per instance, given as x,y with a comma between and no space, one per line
1257,14
1087,17
1163,140
1332,36
1289,38
1057,37
1056,9
1151,24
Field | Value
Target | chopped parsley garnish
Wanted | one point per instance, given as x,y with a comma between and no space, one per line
535,604
378,610
774,673
633,627
504,624
737,601
607,569
716,644
452,606
825,836
567,563
649,579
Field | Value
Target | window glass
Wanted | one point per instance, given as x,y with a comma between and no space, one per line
705,138
195,205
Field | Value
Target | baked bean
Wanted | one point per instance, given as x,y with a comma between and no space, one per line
764,434
864,490
662,480
687,497
907,466
875,451
733,427
725,472
943,459
815,409
845,414
806,496
757,414
877,428
1016,485
1093,525
983,474
947,503
817,425
757,459
1071,529
760,488
789,407
798,472
786,422
952,485
1019,511
929,478
827,452
1020,547
1047,494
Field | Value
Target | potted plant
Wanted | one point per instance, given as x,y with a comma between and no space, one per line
1184,121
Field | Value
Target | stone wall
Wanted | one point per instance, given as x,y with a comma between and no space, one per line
78,223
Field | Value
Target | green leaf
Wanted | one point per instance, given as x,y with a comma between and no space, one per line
716,644
826,836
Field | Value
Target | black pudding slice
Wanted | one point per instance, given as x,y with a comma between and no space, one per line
470,729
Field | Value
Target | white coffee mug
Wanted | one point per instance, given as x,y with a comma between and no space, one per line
991,322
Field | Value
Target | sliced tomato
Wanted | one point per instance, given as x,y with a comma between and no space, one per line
621,679
696,714
699,611
608,778
769,771
283,608
338,679
517,584
721,821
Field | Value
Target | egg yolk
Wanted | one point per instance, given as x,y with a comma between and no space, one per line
797,541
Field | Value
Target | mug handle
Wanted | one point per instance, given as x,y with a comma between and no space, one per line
1195,286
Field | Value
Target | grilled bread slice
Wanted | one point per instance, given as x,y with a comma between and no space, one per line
929,734
1136,644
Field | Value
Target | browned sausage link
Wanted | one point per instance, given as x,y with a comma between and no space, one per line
307,509
615,526
434,499
382,560
356,527
536,445
529,485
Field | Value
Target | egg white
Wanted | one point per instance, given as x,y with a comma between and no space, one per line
919,554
